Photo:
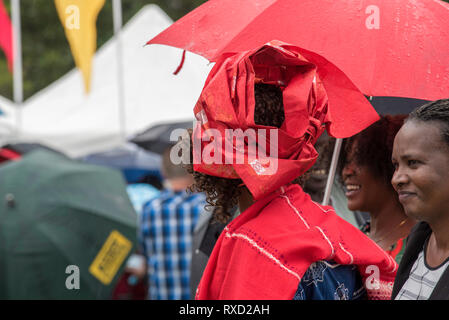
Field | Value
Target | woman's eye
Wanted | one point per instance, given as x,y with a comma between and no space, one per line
412,162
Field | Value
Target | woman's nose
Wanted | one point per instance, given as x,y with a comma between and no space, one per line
348,170
399,178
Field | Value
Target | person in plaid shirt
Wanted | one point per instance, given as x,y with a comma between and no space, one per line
165,233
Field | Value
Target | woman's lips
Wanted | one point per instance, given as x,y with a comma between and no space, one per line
405,195
352,190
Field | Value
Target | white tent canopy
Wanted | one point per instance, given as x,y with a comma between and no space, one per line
7,119
63,117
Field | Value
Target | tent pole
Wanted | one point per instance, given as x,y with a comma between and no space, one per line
117,17
332,170
17,64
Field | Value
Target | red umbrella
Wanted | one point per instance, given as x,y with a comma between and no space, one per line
386,47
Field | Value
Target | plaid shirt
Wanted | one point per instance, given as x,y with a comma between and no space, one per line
165,236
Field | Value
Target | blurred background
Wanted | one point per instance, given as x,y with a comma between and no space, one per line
132,86
40,21
77,164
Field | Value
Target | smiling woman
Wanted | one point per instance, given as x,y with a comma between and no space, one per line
421,178
366,171
422,170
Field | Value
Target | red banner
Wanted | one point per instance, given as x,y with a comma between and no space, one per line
6,35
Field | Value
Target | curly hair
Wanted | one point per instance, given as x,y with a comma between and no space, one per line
373,147
434,111
223,194
269,107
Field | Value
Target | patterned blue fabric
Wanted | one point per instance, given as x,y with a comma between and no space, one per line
166,231
329,281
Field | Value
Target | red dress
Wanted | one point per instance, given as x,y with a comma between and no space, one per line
265,251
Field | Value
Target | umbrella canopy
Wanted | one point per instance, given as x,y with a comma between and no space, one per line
394,105
157,138
387,48
65,228
23,148
133,161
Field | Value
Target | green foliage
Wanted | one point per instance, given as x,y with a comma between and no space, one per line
46,53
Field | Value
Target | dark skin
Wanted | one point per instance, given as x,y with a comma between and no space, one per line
421,178
245,200
370,193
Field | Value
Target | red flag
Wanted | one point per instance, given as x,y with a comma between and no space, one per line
6,34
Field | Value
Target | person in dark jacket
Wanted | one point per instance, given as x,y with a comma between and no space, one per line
421,178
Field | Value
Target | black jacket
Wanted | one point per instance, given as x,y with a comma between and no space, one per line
415,244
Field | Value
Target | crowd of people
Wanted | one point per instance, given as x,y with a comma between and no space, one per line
229,230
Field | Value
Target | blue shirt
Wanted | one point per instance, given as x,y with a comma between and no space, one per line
166,231
330,281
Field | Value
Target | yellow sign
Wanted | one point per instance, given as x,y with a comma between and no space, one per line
110,258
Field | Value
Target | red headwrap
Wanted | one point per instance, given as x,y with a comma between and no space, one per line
264,252
316,96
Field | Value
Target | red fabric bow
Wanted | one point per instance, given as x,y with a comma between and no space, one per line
316,96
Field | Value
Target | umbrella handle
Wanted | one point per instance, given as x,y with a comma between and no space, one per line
332,169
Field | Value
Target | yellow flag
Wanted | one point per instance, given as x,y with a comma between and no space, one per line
78,18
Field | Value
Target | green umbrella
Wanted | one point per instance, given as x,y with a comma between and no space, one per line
66,228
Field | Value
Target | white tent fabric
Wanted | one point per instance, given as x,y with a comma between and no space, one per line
63,117
7,119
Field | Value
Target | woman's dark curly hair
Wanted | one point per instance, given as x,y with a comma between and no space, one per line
223,194
373,147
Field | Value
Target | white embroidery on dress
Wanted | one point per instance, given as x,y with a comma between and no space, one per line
341,293
328,241
263,251
347,252
315,273
296,211
322,209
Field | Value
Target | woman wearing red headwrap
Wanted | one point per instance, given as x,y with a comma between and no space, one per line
276,101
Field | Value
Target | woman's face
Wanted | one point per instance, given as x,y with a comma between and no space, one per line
421,177
364,190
